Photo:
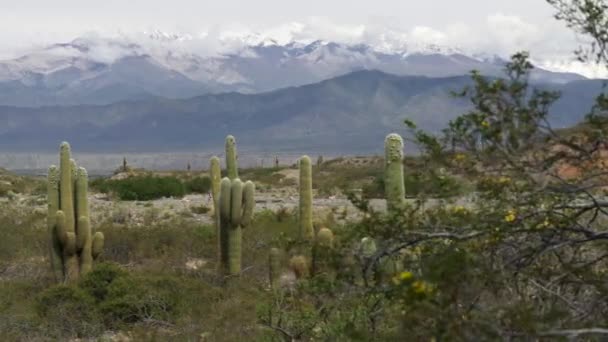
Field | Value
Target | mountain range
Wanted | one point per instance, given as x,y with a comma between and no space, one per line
101,71
349,114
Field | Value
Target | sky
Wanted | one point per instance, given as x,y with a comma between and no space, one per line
492,26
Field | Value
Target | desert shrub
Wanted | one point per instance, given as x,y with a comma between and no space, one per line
138,298
69,311
142,188
96,282
198,185
419,183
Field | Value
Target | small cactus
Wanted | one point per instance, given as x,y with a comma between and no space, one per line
322,250
386,267
368,247
73,245
299,266
305,207
274,267
232,167
325,237
236,202
394,187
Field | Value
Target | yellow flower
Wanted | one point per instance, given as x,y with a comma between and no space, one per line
504,180
511,216
421,287
403,276
460,157
485,124
406,275
459,209
544,224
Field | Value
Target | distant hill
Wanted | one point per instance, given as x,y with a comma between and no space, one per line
348,114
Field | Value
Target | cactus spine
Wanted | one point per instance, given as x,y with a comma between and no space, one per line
232,167
305,217
74,247
236,211
393,172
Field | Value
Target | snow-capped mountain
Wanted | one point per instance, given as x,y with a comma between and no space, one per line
100,70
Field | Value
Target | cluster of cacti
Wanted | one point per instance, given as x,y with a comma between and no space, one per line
73,245
236,211
301,265
233,203
394,187
305,206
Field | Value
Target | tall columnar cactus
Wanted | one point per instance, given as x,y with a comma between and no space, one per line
236,211
232,167
73,245
393,172
215,173
305,214
274,267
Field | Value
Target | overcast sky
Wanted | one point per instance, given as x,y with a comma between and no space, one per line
494,26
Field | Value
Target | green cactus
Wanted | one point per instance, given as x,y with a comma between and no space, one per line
321,251
393,172
325,237
56,256
215,174
299,266
368,247
386,267
73,245
236,204
305,217
232,167
274,267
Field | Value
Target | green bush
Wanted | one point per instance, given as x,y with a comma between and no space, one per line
198,185
134,299
96,282
142,188
68,310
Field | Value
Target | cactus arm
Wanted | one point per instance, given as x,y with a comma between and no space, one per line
66,187
393,172
224,206
56,256
236,202
82,190
234,231
274,267
248,203
85,244
231,158
305,217
215,173
97,246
